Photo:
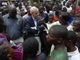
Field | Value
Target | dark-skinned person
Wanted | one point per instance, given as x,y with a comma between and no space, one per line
30,49
57,34
50,19
42,14
69,42
76,25
6,51
14,25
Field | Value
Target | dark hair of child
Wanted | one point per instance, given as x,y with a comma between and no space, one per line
30,48
66,16
3,51
60,30
72,36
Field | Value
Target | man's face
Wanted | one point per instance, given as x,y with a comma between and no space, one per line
41,9
76,26
35,14
13,13
51,38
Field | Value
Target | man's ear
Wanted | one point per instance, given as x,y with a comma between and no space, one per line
60,40
69,41
9,57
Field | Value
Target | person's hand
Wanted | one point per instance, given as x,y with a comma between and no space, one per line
33,27
41,21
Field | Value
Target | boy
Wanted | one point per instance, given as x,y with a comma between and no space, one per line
56,36
73,53
50,19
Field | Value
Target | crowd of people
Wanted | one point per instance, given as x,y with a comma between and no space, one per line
45,31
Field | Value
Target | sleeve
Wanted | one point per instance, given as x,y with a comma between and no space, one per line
28,27
49,26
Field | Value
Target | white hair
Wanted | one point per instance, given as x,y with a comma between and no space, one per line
32,9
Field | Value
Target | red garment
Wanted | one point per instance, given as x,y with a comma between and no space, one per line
76,9
54,19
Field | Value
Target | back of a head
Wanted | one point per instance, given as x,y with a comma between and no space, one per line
72,36
66,16
57,12
64,9
30,48
60,30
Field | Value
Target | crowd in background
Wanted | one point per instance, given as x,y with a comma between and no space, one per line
45,31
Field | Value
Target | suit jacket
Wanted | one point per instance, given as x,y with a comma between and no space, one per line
30,23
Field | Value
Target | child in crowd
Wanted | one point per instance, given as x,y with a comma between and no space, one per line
6,52
56,35
63,20
73,52
30,49
50,19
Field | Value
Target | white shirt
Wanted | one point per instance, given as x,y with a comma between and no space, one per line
74,55
69,9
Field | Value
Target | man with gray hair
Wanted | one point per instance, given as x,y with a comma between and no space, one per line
32,26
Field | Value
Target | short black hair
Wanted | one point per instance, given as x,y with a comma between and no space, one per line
66,16
3,51
57,12
64,9
30,48
60,31
72,36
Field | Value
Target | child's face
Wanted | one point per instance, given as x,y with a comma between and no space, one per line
51,38
76,26
50,19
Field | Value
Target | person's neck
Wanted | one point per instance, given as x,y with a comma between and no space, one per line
71,48
66,24
29,14
59,46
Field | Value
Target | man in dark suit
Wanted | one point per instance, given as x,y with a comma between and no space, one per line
33,27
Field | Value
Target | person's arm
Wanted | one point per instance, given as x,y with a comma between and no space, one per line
29,28
42,21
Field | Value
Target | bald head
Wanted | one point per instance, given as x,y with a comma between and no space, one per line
12,11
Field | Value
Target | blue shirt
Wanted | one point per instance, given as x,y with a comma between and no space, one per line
45,16
72,19
14,27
